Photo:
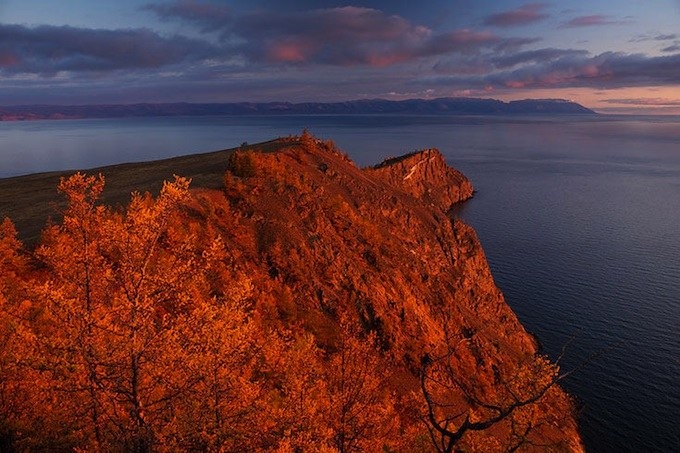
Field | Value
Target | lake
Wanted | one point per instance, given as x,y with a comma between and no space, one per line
579,218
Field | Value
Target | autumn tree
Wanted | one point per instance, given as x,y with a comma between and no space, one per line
147,339
338,400
299,400
14,390
458,409
73,300
138,329
361,407
228,406
242,163
126,294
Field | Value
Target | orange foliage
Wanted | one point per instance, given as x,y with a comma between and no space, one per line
187,322
135,331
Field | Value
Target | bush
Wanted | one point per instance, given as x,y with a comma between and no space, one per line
242,164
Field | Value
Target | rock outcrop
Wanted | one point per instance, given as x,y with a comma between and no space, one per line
425,175
377,243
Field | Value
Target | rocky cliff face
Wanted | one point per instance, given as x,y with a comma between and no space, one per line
425,175
320,236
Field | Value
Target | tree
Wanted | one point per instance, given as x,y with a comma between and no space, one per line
68,347
123,298
361,411
456,408
226,407
14,392
242,163
299,400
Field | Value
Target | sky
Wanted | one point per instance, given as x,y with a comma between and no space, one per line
615,56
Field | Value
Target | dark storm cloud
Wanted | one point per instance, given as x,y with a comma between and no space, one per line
591,21
526,14
349,36
207,16
50,49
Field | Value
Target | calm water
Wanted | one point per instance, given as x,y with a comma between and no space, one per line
579,218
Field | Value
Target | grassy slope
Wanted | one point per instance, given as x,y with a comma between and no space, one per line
30,200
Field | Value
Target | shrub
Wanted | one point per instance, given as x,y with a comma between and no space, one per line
242,164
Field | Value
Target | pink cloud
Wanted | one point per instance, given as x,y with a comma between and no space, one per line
290,52
526,14
515,84
566,76
610,69
350,36
8,59
644,101
590,21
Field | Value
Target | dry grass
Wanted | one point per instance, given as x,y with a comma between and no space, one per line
30,200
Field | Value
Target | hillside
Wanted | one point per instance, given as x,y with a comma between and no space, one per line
31,199
373,318
440,106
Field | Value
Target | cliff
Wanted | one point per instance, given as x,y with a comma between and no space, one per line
305,305
377,243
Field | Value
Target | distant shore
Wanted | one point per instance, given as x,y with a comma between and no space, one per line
440,106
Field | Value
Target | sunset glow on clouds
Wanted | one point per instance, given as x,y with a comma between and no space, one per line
608,55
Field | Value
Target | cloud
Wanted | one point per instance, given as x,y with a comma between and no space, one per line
659,37
672,48
555,68
208,16
348,36
331,54
668,37
494,64
343,36
536,56
591,21
513,44
463,66
49,49
660,102
526,14
610,70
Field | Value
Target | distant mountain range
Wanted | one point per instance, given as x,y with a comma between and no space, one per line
441,106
